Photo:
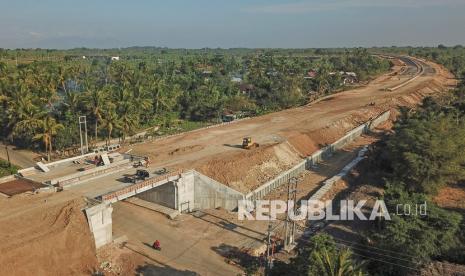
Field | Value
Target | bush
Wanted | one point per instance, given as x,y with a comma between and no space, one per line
6,169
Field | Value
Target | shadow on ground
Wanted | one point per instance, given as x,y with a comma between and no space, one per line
151,269
235,256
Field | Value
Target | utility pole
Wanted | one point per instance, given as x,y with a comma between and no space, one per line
7,153
269,250
83,121
290,225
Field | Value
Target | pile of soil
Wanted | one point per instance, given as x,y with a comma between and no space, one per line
442,268
119,260
247,170
41,236
452,196
303,143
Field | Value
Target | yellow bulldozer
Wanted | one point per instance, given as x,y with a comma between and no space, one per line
248,144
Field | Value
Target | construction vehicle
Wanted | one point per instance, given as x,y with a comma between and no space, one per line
139,175
248,144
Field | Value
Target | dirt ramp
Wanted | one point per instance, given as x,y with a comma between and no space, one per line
50,239
246,170
303,143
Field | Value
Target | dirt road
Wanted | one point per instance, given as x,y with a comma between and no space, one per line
21,158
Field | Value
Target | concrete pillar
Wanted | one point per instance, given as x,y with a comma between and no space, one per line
100,223
185,192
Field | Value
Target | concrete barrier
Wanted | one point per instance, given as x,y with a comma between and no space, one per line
209,194
328,184
283,178
93,173
141,187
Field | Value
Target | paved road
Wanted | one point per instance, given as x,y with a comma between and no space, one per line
21,158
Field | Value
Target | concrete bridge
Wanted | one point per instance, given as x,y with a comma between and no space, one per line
182,191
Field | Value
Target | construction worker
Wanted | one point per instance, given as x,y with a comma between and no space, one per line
96,160
156,245
147,161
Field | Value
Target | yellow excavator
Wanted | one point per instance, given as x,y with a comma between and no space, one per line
248,144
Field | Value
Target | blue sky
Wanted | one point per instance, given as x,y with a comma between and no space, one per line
230,23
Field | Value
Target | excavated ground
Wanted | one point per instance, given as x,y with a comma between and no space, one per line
41,236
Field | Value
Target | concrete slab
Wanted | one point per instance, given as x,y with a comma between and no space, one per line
42,167
18,186
105,159
170,213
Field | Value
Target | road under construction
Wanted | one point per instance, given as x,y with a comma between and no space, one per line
195,179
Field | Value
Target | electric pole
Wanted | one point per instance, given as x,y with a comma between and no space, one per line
83,121
290,225
7,153
269,250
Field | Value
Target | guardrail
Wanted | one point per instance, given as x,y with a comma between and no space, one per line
141,187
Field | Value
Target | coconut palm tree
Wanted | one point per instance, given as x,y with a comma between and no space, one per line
49,128
95,99
338,263
110,121
128,118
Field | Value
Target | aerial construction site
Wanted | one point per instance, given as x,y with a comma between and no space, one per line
101,212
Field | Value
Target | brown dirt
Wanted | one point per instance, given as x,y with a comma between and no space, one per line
118,260
248,169
452,196
186,149
443,268
40,237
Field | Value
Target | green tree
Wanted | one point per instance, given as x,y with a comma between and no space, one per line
428,150
337,263
95,99
48,129
110,122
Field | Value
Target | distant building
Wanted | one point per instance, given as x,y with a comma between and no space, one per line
272,73
349,77
311,74
236,79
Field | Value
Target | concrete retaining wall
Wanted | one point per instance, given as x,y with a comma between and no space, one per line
317,157
164,195
211,194
281,179
328,184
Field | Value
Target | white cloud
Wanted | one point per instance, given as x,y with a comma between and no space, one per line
35,34
328,5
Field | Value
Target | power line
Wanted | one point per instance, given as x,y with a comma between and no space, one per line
377,253
376,248
383,261
388,256
376,259
380,254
